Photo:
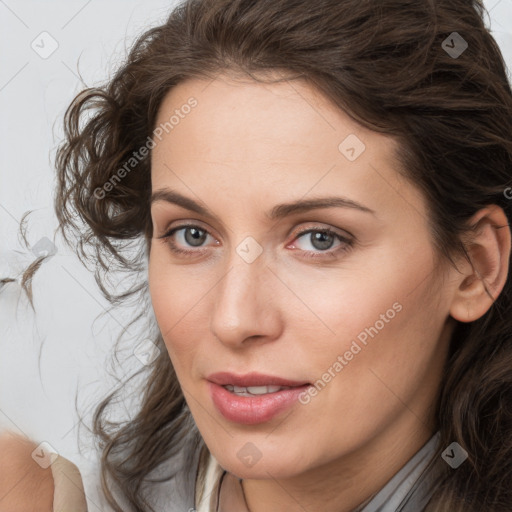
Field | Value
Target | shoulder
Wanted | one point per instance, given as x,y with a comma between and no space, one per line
33,480
25,486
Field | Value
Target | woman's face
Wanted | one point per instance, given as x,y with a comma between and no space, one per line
355,322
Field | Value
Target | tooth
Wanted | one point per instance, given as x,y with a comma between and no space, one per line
262,390
253,390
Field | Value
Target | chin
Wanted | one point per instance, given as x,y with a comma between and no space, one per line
256,461
261,470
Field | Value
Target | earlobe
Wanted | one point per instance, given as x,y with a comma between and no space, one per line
482,280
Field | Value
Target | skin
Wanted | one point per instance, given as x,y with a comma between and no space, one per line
244,148
24,485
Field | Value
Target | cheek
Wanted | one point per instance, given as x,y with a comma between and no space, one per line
339,308
370,368
179,298
170,297
382,323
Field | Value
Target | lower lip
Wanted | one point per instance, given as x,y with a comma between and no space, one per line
250,410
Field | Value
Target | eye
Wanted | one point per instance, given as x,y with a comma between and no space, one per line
322,239
188,234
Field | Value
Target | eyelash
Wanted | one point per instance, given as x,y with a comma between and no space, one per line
347,243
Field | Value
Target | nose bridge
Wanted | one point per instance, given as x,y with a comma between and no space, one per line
243,305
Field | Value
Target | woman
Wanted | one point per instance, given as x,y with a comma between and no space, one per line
318,191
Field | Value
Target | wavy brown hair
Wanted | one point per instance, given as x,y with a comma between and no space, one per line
384,64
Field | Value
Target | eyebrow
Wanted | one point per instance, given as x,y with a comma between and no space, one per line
277,212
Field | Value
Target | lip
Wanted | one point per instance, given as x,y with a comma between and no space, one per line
251,410
252,379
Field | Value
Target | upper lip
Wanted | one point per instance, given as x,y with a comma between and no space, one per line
252,379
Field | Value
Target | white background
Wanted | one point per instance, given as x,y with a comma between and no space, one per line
37,387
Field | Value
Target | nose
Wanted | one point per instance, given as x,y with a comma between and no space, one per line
246,305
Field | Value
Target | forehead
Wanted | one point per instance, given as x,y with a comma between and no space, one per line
240,121
247,138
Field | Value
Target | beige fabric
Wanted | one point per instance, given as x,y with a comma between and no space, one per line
69,495
231,496
206,497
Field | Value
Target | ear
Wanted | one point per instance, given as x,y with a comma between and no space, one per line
488,249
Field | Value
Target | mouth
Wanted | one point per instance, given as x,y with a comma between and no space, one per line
253,398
